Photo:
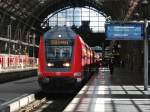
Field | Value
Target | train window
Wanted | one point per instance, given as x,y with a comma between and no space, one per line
56,52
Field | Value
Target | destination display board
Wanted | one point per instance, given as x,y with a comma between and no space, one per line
124,31
59,42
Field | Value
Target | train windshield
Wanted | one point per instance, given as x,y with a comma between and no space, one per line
59,49
59,52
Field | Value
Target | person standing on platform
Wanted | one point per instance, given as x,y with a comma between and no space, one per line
111,66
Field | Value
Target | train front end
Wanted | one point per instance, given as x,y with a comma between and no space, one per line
58,67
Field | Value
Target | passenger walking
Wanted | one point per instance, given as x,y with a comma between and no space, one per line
97,65
111,66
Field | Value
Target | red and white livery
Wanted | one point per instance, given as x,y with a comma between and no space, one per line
64,59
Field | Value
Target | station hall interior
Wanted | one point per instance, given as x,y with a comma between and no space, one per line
23,22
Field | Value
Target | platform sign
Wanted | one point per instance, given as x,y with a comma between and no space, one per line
124,31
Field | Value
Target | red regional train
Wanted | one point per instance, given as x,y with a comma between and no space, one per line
64,59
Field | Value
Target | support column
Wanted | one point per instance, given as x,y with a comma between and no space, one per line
145,56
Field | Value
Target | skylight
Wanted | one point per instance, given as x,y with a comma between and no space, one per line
75,16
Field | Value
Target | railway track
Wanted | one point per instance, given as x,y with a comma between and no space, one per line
48,103
27,97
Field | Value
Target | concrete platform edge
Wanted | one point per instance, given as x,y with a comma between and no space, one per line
17,103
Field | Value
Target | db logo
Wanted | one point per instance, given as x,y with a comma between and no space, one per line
58,73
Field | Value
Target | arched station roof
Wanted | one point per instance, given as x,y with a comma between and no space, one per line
28,15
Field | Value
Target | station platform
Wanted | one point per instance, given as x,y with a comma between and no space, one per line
11,74
10,70
121,92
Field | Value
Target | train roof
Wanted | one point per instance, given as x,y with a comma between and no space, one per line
60,32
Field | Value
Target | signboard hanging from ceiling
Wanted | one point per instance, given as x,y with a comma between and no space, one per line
124,31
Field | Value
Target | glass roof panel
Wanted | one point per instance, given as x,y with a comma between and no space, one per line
75,16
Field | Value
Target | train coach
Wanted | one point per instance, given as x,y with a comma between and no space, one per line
64,59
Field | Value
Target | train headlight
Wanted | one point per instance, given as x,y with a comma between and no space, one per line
39,73
77,74
66,64
50,64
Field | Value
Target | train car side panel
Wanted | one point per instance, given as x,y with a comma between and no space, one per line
41,56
